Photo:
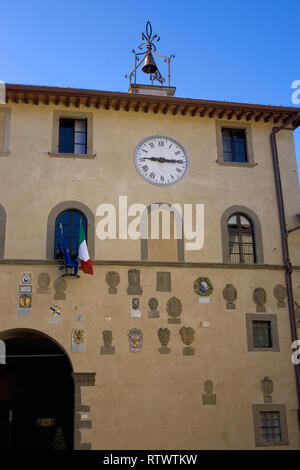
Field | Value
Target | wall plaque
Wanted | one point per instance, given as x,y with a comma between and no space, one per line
164,338
208,397
107,338
135,337
279,292
203,287
260,298
78,340
43,283
163,281
174,310
112,280
153,304
135,307
230,295
187,336
134,282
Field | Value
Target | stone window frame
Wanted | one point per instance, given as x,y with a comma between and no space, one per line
57,114
54,213
256,225
4,148
250,317
270,407
144,229
246,126
2,231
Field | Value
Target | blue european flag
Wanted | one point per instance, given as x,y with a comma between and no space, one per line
67,255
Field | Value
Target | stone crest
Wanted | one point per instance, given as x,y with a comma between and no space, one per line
208,397
260,298
187,336
135,337
203,287
60,285
230,295
174,310
112,280
43,283
279,292
134,282
266,386
164,338
153,304
107,339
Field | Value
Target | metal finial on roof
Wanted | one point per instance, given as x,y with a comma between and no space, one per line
148,49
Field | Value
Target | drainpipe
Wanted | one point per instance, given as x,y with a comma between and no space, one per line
284,242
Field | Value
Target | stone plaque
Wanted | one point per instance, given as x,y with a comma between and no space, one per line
187,336
153,304
230,295
43,283
134,282
163,282
107,338
260,298
208,397
174,309
60,286
266,386
279,292
164,338
112,280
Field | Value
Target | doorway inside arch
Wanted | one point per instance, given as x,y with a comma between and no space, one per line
36,393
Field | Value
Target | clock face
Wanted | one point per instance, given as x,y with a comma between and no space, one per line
161,160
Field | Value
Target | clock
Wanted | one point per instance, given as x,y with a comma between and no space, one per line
161,160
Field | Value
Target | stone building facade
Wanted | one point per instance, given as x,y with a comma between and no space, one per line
163,347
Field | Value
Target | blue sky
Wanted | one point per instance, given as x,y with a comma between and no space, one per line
230,50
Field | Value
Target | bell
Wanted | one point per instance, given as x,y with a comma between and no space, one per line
149,65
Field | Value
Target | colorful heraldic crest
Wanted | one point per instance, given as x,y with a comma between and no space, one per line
26,279
203,287
78,336
135,337
25,301
135,307
55,312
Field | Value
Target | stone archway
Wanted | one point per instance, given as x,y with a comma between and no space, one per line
36,393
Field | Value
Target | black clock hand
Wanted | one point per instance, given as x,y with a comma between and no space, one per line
161,160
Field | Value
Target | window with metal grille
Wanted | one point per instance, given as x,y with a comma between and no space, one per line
70,221
270,429
262,334
234,145
241,240
72,136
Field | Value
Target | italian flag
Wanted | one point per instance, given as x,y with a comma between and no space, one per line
83,254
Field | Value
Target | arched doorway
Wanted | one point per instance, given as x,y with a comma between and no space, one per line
36,393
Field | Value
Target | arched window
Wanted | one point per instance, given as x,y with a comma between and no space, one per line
65,212
70,221
241,240
241,236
